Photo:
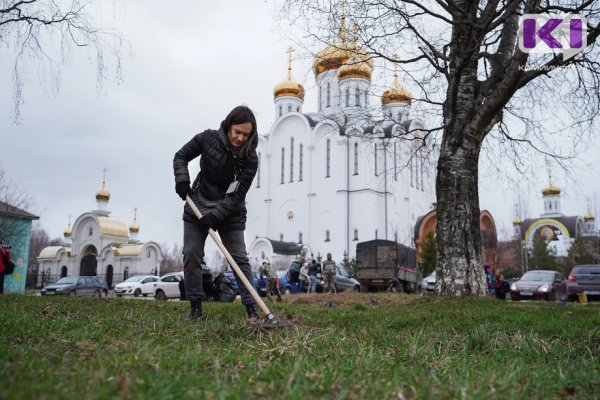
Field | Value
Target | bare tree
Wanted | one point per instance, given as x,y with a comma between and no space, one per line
42,33
172,259
14,203
39,240
465,58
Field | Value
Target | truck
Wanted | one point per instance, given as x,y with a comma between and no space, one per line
384,265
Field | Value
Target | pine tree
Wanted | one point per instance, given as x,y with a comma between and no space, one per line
542,256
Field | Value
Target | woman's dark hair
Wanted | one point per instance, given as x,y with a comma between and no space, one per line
241,115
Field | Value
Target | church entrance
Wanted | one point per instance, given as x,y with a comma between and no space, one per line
109,276
89,262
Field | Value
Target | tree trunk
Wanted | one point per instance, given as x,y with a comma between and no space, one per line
459,271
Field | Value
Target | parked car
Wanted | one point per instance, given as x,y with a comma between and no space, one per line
539,284
102,285
77,286
428,283
584,279
167,287
136,285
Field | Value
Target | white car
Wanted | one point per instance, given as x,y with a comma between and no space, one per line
167,287
136,285
428,283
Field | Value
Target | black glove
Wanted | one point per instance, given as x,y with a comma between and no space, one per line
183,189
207,221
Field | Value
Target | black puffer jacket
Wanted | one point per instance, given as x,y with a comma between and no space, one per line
219,164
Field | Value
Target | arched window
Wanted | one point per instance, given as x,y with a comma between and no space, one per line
357,97
355,234
289,108
281,237
258,172
301,162
355,158
347,97
300,238
399,116
280,111
291,159
126,273
366,100
328,94
297,109
63,271
282,164
376,233
328,159
327,237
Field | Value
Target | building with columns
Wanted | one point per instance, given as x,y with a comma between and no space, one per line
101,245
345,173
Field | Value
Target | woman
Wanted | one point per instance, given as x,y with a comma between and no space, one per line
228,164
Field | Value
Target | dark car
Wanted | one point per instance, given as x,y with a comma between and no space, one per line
77,286
584,279
539,284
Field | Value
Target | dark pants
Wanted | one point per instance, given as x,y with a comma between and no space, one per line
193,258
2,283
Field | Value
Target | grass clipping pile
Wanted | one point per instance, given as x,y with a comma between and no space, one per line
327,300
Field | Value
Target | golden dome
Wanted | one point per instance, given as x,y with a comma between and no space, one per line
589,217
337,54
114,227
551,190
134,227
67,233
289,87
396,93
354,68
103,194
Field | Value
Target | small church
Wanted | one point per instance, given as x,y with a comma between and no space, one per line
101,245
346,173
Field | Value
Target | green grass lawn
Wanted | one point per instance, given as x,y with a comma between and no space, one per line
402,346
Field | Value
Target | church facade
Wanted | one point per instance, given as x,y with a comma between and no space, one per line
337,176
100,245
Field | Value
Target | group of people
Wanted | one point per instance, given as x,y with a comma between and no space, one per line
496,285
307,280
306,277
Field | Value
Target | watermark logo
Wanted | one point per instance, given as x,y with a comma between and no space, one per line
550,33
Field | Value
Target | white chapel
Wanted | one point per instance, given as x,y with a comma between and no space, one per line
100,245
337,176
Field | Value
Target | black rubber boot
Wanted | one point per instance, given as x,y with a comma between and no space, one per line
251,310
195,310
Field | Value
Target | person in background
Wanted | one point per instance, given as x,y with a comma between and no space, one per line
490,280
329,274
304,279
269,272
313,271
4,257
228,164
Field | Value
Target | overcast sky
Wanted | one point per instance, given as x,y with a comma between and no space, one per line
190,63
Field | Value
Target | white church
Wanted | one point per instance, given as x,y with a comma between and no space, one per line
100,245
331,178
